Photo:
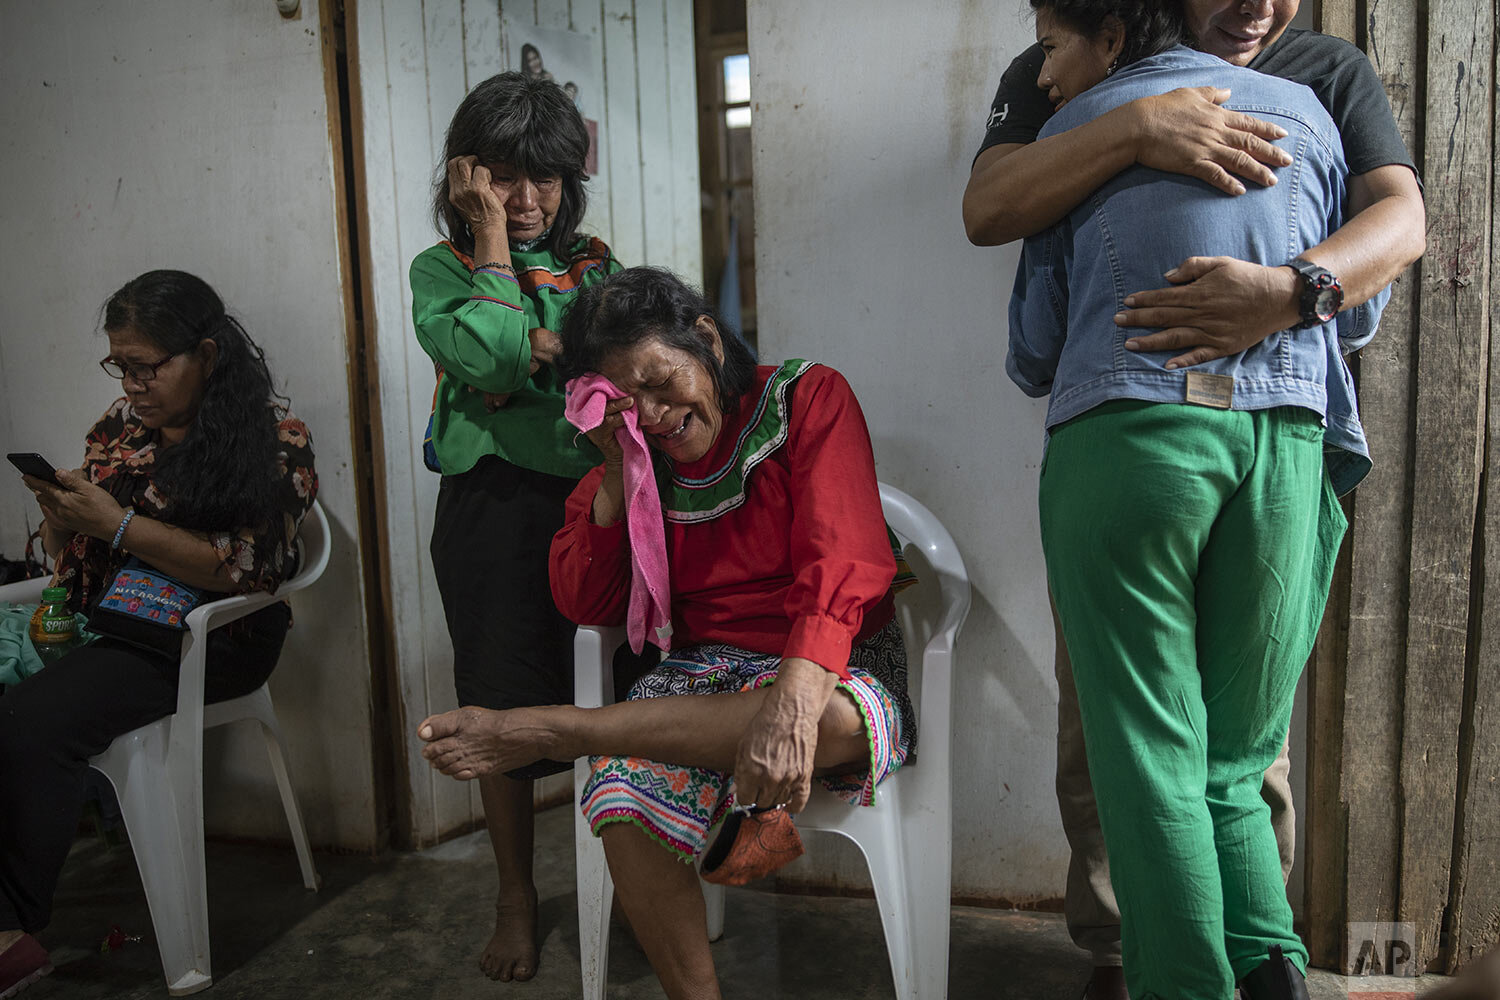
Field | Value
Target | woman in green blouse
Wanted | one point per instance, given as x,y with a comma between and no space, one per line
486,302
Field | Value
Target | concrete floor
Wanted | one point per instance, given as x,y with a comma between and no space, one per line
411,926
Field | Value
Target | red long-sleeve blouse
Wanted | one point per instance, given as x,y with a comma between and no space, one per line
803,568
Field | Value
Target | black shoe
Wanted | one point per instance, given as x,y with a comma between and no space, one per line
1274,979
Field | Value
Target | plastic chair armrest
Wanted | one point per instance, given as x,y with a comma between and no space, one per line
216,614
956,600
594,664
191,668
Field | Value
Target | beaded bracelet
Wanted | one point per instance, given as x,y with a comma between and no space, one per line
493,265
120,531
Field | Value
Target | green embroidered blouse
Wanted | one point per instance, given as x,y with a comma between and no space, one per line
475,328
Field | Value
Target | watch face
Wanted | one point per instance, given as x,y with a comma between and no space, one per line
1326,305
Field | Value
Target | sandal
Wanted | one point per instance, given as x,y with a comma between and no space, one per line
1274,979
751,845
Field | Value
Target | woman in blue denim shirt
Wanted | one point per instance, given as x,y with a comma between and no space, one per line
1182,508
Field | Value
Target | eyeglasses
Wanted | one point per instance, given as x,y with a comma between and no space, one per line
143,372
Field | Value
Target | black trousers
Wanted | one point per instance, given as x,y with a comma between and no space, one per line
491,535
53,722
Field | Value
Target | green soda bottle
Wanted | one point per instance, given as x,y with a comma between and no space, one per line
53,631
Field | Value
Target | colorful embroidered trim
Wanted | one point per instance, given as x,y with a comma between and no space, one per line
507,274
502,302
690,501
677,806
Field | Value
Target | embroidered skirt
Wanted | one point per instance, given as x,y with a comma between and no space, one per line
677,806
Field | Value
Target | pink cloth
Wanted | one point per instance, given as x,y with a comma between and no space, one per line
650,579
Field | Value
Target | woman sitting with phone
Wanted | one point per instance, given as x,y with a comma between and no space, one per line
199,473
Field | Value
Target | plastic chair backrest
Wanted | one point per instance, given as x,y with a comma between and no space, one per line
313,550
915,525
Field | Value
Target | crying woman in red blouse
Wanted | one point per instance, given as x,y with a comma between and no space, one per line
785,664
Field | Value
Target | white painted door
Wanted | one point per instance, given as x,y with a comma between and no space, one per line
192,135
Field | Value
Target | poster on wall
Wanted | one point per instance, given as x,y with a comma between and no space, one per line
568,59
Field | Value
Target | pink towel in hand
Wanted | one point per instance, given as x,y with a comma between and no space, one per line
650,581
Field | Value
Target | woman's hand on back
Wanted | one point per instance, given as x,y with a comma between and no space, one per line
1185,131
1215,307
470,192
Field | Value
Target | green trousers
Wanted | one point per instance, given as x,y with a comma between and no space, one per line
1190,552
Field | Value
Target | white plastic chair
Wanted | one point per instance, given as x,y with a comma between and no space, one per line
157,772
906,836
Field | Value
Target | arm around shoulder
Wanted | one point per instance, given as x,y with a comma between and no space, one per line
1018,189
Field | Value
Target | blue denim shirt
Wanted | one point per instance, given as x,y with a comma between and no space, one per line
1073,278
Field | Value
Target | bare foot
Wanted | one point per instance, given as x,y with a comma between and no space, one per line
472,742
1107,983
511,953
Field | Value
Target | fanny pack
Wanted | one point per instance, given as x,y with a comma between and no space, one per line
145,607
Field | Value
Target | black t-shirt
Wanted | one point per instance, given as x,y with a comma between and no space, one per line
1337,72
1020,107
1346,84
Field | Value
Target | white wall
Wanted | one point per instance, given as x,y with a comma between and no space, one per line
861,155
415,63
181,134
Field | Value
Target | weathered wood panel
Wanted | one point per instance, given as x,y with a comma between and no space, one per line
682,112
483,55
1339,17
588,19
1451,385
1381,540
621,131
1354,822
655,126
1475,901
551,14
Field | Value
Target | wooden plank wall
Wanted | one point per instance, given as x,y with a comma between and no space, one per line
1474,926
413,62
1476,885
1404,801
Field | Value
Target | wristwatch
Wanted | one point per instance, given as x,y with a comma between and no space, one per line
1322,293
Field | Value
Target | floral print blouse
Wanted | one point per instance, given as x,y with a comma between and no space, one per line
120,455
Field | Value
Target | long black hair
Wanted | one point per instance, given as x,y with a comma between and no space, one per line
223,473
640,303
530,124
1151,26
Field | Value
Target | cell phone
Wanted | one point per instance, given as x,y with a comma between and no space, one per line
32,464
